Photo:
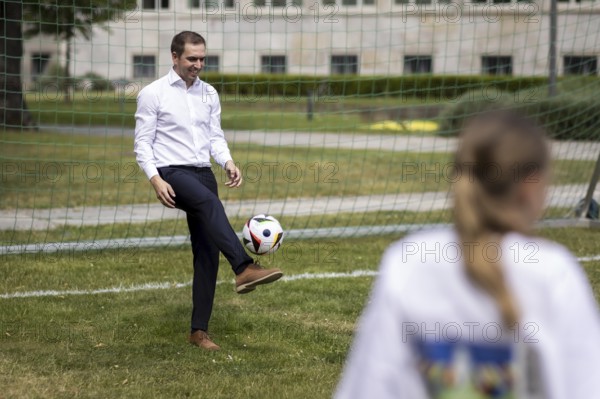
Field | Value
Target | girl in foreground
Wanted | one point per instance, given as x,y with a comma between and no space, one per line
481,310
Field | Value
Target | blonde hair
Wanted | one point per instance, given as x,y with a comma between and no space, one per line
498,151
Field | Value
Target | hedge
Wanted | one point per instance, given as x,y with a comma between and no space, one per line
443,87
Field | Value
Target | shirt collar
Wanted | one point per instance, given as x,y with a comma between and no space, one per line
175,78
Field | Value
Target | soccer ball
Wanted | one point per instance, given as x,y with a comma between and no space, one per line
262,234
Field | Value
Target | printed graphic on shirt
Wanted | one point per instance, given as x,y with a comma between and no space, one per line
459,370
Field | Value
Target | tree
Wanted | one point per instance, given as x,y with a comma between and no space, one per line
64,19
13,110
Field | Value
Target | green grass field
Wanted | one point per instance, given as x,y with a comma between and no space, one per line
178,227
330,114
44,170
287,340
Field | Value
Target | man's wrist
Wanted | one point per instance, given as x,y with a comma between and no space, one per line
154,179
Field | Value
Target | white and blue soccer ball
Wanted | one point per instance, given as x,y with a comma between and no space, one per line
262,234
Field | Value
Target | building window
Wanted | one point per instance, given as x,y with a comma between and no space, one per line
348,3
210,4
417,64
496,65
483,2
344,64
39,62
277,3
211,63
144,66
273,64
154,4
580,65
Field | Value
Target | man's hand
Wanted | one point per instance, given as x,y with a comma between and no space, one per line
164,191
233,174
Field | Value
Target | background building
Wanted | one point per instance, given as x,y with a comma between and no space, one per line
366,37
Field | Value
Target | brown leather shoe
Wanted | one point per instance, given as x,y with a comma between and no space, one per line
254,275
200,338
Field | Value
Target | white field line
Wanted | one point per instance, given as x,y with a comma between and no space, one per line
165,286
588,258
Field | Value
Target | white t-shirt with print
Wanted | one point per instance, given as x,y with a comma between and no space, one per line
429,332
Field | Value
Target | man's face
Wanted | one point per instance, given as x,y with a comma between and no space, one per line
190,63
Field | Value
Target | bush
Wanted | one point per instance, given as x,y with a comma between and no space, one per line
453,117
565,117
96,82
579,86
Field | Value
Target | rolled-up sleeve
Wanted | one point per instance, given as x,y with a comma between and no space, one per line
145,131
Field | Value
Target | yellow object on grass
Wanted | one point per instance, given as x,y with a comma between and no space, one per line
408,126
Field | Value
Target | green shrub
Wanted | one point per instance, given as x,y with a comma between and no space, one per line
578,86
470,103
565,117
96,82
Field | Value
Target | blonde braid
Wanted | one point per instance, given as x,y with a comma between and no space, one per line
483,210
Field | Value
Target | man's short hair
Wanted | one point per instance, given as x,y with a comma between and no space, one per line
180,39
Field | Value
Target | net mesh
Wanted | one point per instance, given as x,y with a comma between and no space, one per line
341,114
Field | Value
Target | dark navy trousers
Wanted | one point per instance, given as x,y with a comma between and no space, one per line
196,193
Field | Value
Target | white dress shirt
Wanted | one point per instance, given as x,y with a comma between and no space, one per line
175,125
423,294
